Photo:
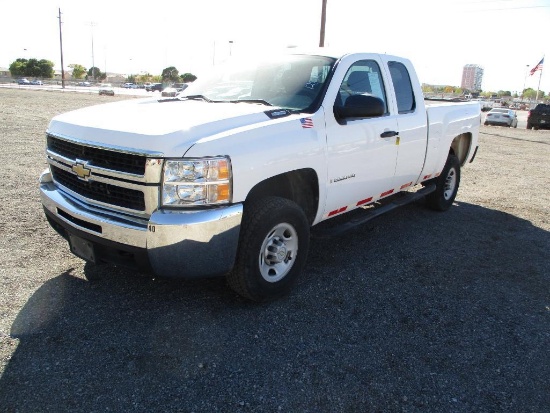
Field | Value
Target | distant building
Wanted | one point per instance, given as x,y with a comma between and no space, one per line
472,76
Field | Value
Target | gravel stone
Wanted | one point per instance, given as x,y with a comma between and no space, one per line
417,311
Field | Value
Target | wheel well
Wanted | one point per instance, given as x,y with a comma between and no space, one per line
461,146
300,186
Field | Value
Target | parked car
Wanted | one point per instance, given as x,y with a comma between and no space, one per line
85,84
539,117
129,86
36,82
502,117
106,89
173,90
154,86
23,81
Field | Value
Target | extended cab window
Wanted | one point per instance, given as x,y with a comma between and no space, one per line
403,87
363,77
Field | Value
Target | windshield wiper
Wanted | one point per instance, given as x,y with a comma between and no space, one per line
261,101
195,97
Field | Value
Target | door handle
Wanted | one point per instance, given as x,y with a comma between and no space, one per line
389,134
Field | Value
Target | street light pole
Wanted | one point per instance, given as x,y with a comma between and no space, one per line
92,24
524,82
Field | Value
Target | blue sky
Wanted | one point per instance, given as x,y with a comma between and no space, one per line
439,36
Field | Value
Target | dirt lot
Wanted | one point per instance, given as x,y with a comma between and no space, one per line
417,311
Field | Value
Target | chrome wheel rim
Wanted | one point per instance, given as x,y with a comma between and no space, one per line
450,184
278,252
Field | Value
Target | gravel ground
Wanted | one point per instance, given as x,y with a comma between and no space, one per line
416,311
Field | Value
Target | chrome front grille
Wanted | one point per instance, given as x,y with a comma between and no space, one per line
123,181
100,191
103,158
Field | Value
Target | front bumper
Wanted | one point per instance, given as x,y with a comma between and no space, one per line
182,244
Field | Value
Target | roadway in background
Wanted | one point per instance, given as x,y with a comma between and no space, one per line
522,114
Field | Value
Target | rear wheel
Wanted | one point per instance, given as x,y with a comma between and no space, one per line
273,247
446,186
529,126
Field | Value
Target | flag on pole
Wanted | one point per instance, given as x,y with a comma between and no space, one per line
537,67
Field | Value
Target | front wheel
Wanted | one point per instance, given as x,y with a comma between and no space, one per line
446,186
273,246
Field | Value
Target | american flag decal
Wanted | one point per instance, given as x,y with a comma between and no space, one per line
306,122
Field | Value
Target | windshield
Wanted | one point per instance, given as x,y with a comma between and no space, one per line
291,82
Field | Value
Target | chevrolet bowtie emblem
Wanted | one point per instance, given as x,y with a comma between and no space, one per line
80,169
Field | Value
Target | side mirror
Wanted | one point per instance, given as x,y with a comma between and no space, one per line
360,106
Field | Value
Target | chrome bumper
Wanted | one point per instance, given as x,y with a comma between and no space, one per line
183,244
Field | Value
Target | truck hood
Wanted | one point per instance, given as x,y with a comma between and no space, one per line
161,128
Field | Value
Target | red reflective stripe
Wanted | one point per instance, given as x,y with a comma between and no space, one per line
406,185
428,176
364,201
386,193
337,211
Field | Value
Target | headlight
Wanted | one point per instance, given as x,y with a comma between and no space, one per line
191,182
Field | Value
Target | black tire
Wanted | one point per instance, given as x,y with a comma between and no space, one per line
93,272
273,247
529,126
446,186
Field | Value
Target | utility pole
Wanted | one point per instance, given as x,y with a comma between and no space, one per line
323,20
61,46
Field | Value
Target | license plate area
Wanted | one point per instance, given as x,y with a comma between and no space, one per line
82,248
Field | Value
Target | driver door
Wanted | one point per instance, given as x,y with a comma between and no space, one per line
362,152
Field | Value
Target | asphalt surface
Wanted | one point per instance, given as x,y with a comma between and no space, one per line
417,311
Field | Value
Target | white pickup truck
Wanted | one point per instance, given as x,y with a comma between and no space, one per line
233,175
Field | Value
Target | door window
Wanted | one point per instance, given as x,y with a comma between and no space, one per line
403,87
362,78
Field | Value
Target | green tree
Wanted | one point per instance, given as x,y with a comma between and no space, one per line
32,68
529,93
170,74
17,68
145,77
427,88
78,70
504,93
94,73
46,68
188,77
